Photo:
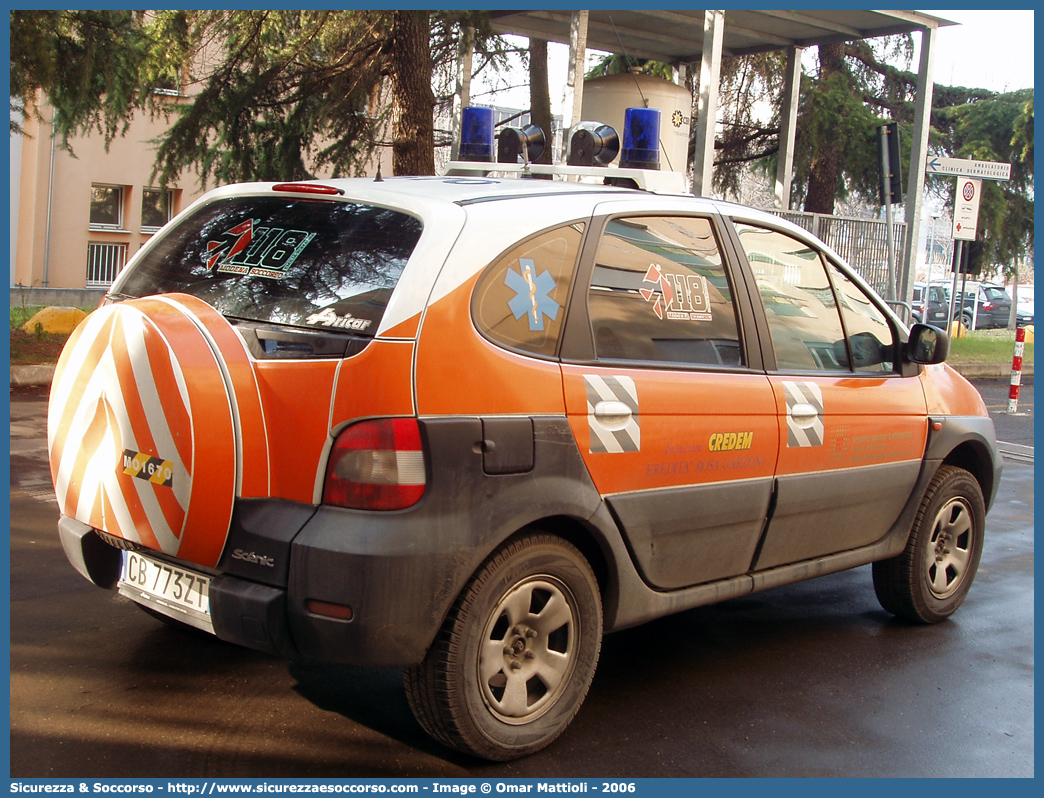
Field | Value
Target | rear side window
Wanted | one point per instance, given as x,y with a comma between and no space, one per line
520,299
307,263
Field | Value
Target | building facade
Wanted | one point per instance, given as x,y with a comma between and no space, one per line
78,216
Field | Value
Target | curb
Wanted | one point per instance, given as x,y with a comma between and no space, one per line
987,371
22,376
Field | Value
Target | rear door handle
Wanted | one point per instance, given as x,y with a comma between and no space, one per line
613,414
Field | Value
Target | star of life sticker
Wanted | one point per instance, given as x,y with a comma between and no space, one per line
532,294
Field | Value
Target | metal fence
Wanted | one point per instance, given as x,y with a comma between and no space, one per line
104,262
863,243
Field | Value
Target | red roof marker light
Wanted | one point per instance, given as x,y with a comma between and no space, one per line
307,188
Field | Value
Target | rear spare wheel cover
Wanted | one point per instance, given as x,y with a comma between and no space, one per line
141,427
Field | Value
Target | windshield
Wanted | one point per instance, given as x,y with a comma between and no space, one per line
309,263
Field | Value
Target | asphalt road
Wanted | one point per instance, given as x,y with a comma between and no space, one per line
806,680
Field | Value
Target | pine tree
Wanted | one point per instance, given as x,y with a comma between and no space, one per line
271,95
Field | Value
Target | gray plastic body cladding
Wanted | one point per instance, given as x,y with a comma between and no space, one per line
93,558
688,535
978,433
258,544
826,512
401,571
638,605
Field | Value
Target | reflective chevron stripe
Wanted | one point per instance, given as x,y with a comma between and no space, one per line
606,438
803,433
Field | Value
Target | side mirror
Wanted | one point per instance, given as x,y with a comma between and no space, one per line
927,345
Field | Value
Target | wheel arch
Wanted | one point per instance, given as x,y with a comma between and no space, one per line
587,541
968,442
973,457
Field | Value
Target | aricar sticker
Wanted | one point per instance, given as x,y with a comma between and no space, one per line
257,251
532,294
327,317
679,297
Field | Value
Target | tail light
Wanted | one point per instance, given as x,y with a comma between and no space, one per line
987,306
376,465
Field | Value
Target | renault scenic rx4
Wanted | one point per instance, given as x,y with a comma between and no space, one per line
468,425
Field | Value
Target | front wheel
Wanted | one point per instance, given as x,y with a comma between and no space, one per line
516,656
929,580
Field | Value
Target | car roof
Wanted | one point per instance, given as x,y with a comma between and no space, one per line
466,190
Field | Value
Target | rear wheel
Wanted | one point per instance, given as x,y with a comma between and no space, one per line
516,656
929,580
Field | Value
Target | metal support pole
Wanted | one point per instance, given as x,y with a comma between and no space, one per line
788,128
886,176
710,77
574,91
918,153
950,318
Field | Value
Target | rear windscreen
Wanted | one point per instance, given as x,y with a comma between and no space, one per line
308,263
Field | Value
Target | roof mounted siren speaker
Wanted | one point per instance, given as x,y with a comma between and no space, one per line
476,134
526,143
641,139
592,144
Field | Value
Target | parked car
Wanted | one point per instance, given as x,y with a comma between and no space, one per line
1024,309
994,306
467,425
931,304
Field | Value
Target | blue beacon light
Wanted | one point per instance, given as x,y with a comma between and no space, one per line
476,134
641,139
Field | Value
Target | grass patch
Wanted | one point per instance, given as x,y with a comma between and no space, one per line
986,346
34,348
20,314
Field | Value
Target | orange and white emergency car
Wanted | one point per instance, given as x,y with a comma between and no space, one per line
466,425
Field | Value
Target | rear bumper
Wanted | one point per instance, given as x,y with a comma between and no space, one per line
394,607
291,573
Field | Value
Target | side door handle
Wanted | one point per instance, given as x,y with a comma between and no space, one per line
804,414
612,415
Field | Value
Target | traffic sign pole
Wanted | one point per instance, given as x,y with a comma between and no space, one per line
964,227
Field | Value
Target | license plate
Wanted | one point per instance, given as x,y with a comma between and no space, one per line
171,590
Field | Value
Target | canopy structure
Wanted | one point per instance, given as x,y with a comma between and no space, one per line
682,37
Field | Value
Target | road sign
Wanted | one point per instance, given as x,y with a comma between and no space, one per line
987,170
966,210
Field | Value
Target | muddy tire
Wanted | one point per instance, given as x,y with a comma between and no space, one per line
930,579
515,658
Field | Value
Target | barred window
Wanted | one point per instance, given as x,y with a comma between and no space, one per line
104,262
